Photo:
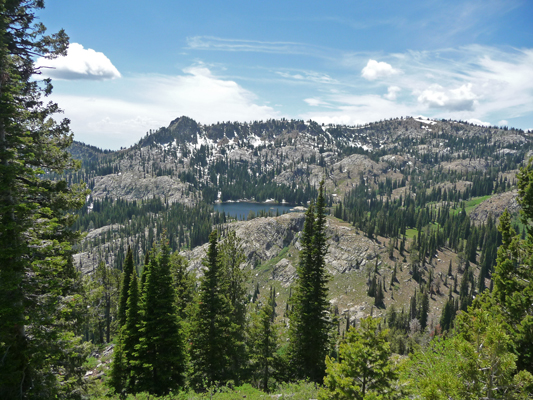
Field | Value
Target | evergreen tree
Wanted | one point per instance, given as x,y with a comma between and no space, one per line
364,369
40,304
131,334
118,374
513,276
125,287
211,324
309,323
424,310
231,256
160,356
104,293
448,313
264,338
122,376
184,283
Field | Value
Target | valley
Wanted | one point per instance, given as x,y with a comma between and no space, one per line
372,173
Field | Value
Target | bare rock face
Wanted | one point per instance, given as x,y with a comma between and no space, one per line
495,206
262,239
466,165
284,272
87,262
347,249
133,186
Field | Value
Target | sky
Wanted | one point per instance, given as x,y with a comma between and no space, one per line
134,66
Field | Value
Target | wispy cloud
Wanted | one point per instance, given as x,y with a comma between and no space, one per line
476,83
449,23
308,76
240,45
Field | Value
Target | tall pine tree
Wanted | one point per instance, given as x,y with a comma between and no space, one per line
40,352
231,256
309,322
212,323
159,362
264,337
124,289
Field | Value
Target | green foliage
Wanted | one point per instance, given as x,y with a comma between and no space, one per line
159,360
310,326
131,335
230,257
475,363
102,297
212,323
118,370
264,343
184,283
127,270
41,355
295,391
513,277
364,369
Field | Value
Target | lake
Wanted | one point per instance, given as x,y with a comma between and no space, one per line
240,210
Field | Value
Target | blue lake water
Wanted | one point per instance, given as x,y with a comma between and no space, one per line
241,209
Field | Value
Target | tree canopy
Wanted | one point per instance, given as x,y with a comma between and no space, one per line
40,353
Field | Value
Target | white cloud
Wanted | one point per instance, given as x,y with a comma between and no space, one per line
257,46
151,101
376,70
473,83
476,121
460,99
392,93
355,110
309,76
313,102
503,122
79,63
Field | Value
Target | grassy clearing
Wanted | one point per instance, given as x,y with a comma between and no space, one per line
293,391
472,203
270,263
411,233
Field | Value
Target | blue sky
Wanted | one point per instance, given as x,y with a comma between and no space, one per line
136,65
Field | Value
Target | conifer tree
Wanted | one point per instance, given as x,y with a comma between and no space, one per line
231,256
264,338
309,323
131,334
184,283
39,286
364,369
117,374
447,316
159,361
211,324
124,289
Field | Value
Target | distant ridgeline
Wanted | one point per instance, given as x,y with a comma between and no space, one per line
385,177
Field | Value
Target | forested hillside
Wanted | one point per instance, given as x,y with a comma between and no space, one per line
370,173
405,270
401,241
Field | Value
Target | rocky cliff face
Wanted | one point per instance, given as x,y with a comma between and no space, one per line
495,206
264,238
136,186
